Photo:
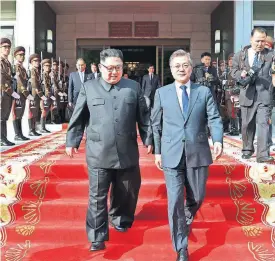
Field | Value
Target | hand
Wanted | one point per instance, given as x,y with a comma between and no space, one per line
30,97
207,75
217,150
158,161
15,95
44,98
273,68
65,94
243,74
70,151
149,149
60,94
224,82
70,104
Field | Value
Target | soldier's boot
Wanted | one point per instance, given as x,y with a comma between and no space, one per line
18,131
43,125
34,127
233,127
4,141
32,131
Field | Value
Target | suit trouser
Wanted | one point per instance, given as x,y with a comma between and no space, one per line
123,200
181,215
260,114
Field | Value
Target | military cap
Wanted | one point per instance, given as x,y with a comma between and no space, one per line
230,56
19,49
34,56
44,61
55,61
5,40
67,65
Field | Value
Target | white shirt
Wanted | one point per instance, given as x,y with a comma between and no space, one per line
251,56
151,76
81,75
179,91
95,74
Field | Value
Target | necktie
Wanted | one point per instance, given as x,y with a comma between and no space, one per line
185,100
256,60
151,78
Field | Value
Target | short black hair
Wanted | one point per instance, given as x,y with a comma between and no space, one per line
110,53
151,65
205,54
259,30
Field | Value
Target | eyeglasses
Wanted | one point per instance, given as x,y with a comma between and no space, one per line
111,68
178,66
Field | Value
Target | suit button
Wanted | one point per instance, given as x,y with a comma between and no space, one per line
116,120
115,108
114,97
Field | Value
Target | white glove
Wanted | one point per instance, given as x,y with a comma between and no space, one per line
65,94
224,82
60,94
53,98
30,97
15,95
44,98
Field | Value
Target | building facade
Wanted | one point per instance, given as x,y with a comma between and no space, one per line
146,32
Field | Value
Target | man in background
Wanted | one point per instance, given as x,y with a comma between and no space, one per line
150,83
94,71
76,80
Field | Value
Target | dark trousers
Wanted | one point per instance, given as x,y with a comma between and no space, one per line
181,214
123,199
260,114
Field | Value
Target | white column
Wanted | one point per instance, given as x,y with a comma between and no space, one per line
243,17
25,25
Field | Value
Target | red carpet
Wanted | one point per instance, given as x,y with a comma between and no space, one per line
44,200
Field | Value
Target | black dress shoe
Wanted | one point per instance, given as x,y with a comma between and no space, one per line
265,159
6,142
119,228
20,138
233,133
247,155
96,246
182,255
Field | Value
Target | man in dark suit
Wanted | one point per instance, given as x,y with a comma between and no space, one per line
94,72
76,80
110,107
150,83
179,118
252,69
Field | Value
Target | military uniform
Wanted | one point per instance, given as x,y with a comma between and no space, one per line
21,85
48,104
36,91
55,90
6,92
232,92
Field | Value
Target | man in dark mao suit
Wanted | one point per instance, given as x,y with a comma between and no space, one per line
110,107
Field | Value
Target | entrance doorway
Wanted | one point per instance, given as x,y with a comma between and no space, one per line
137,59
138,54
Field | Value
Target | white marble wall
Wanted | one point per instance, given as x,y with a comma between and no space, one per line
72,27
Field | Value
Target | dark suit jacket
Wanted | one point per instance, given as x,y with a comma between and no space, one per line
75,85
173,133
148,88
110,114
263,84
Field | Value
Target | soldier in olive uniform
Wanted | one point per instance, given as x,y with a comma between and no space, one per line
232,91
62,93
37,93
21,82
55,89
6,90
49,103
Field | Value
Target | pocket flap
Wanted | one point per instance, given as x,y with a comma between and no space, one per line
94,136
129,100
98,101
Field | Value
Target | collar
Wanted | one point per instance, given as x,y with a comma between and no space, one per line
178,84
107,86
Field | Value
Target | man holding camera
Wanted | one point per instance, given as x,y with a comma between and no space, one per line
253,69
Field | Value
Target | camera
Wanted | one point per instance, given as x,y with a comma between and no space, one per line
250,78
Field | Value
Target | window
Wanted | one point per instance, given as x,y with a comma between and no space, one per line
268,25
